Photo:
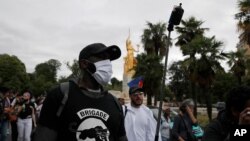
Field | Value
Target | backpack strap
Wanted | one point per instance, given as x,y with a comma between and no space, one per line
64,87
117,104
126,110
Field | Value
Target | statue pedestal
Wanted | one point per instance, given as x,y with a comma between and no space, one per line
125,88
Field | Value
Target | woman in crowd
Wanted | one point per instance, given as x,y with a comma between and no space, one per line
182,128
165,123
25,117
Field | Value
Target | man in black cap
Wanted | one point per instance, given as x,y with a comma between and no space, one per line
90,112
139,121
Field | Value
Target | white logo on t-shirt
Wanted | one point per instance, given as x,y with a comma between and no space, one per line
92,127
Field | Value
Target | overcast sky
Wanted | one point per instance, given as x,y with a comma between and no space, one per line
38,30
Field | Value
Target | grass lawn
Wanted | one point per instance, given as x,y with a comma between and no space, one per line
203,119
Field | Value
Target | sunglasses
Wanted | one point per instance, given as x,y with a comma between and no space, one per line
138,93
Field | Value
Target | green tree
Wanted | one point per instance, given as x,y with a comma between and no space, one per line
239,63
12,72
243,18
207,65
222,84
154,39
188,31
45,76
178,80
116,84
74,68
203,58
151,69
48,69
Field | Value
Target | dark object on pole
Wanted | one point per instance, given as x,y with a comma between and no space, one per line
176,15
175,19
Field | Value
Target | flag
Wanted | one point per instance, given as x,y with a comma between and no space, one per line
138,82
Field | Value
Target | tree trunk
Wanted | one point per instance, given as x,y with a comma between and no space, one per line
149,99
194,96
208,100
155,100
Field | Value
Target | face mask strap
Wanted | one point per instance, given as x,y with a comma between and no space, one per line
91,68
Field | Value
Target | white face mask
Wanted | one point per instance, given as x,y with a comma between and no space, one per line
103,71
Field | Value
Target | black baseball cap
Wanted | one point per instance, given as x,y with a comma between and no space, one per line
96,48
135,89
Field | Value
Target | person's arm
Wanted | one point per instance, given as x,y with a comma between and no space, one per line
151,128
33,115
191,115
180,138
13,103
175,129
48,121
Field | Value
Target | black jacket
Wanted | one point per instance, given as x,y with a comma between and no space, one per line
218,129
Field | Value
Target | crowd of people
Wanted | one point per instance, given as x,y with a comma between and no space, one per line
81,109
18,114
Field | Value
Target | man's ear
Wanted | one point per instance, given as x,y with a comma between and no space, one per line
83,64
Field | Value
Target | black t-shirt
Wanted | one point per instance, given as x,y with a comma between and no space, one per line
26,111
83,117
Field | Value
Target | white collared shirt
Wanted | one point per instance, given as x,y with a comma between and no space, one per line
140,124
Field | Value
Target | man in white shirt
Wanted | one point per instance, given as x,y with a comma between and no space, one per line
140,124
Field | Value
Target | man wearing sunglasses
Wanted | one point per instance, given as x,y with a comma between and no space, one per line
90,113
140,124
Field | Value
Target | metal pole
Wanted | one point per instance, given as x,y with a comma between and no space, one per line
162,87
175,19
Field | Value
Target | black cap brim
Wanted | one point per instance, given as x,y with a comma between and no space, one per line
135,89
113,51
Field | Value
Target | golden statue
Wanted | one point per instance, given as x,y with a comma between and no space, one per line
130,61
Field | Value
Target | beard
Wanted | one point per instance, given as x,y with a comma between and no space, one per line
137,103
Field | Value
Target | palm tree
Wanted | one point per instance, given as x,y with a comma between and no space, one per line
151,69
244,20
188,30
202,69
238,62
205,68
154,39
203,58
